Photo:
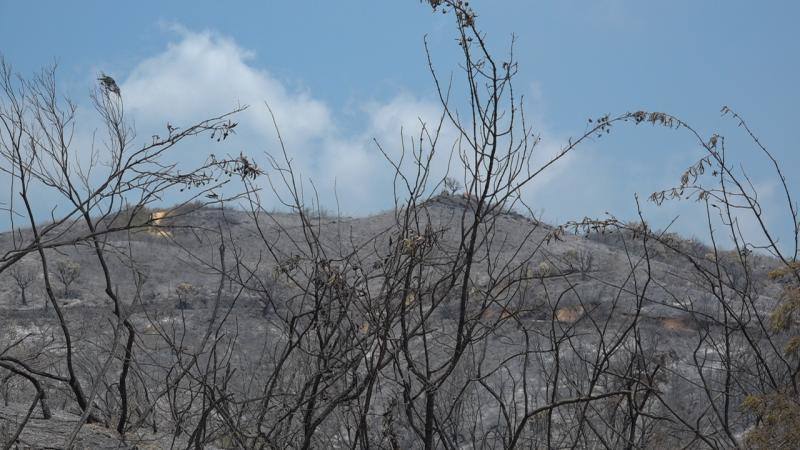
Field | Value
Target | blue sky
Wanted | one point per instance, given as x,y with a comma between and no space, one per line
341,73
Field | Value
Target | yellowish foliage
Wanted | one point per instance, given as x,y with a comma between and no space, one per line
793,346
781,317
781,272
779,421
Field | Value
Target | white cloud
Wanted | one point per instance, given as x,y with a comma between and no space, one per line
205,73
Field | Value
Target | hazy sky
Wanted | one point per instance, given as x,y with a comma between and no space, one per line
339,73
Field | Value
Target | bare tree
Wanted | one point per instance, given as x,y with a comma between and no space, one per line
38,152
451,185
23,277
67,273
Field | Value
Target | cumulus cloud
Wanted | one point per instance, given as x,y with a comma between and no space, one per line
205,73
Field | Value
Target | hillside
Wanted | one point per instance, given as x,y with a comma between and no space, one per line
577,292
